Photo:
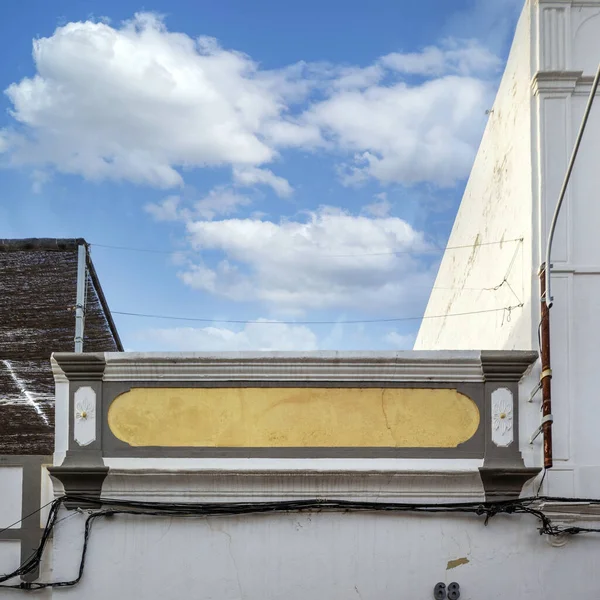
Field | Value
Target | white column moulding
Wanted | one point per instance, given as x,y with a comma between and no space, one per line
554,40
61,413
84,417
502,417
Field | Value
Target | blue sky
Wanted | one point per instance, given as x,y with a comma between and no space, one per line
276,161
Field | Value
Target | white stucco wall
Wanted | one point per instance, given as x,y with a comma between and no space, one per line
497,206
322,557
11,479
512,192
20,474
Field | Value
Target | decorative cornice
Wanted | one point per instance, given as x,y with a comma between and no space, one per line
80,481
284,366
506,366
584,86
505,483
570,512
398,367
57,372
80,366
556,81
194,486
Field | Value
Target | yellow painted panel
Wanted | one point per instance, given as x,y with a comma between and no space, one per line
293,417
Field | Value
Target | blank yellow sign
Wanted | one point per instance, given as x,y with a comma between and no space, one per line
293,417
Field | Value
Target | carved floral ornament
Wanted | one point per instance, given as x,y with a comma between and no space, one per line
84,409
84,413
502,417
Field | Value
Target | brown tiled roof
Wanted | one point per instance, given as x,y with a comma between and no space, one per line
38,289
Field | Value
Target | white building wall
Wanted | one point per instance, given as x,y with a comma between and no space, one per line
331,556
496,206
510,195
10,515
512,192
11,483
24,486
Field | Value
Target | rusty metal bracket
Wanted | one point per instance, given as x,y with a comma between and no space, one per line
536,433
535,390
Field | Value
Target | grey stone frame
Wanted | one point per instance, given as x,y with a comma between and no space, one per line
113,447
503,473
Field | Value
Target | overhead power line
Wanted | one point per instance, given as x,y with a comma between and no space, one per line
31,514
352,255
339,322
109,508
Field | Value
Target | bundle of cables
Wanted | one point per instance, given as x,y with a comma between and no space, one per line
110,507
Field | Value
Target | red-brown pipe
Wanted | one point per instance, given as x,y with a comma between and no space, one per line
546,377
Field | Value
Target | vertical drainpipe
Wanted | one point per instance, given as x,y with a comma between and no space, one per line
546,283
546,376
81,289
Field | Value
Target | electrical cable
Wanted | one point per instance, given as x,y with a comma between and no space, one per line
356,255
108,507
35,512
339,322
563,189
541,483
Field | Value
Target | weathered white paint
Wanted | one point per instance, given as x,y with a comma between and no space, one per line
332,556
497,205
10,557
11,484
512,193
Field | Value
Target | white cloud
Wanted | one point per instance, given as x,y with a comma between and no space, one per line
140,103
294,266
460,57
137,102
250,176
4,141
406,133
254,336
39,180
400,341
380,208
219,201
356,77
492,23
399,130
167,210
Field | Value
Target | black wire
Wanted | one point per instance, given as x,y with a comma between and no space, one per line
541,482
338,322
355,255
108,507
35,512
